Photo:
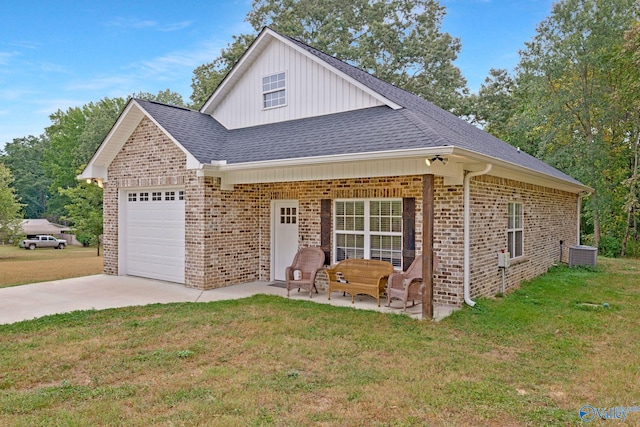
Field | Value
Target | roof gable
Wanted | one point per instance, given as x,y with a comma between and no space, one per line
304,71
126,124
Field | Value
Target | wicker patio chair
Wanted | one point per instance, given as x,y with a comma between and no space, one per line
406,285
307,262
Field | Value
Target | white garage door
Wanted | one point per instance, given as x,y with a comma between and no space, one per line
154,234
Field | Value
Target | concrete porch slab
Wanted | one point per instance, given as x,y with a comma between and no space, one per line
102,291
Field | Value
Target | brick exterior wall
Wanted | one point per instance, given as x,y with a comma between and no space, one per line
148,158
228,233
549,216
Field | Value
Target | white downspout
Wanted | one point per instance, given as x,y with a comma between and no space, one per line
467,232
578,217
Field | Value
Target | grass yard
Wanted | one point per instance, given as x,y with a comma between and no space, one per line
533,358
20,266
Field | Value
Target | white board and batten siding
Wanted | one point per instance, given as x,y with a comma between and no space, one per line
311,90
152,233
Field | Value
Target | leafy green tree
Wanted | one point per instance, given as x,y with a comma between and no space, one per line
10,207
76,134
399,41
628,93
207,77
24,157
494,104
165,96
84,211
569,105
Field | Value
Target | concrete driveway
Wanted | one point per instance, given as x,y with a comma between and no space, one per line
101,291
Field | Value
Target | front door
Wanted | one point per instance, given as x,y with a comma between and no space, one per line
285,236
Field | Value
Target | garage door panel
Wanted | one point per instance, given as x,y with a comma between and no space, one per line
154,235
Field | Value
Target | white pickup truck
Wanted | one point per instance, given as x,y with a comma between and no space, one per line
43,242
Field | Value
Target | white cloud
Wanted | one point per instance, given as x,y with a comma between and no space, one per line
51,67
132,23
175,26
50,106
100,83
5,57
178,62
13,94
24,44
141,24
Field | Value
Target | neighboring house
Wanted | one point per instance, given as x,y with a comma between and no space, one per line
296,148
35,227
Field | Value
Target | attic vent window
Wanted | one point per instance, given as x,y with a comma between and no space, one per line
273,90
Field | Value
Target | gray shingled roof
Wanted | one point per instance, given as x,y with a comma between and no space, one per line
419,124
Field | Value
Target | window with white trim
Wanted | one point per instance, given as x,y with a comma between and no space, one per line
370,229
274,90
515,229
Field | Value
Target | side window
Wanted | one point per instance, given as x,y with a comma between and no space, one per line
273,90
515,229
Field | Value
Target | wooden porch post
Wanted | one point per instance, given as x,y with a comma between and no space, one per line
427,246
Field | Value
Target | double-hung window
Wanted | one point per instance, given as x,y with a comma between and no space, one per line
274,90
370,229
515,230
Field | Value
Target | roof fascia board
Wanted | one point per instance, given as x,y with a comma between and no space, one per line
107,141
212,102
333,158
524,172
99,163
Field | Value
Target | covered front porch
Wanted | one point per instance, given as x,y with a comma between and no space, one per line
362,302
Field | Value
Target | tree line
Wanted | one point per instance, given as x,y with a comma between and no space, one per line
571,101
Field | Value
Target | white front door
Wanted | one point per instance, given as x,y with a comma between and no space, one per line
285,236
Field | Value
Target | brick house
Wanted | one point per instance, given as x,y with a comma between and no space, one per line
296,148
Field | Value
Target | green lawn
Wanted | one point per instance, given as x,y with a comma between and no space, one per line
533,358
21,266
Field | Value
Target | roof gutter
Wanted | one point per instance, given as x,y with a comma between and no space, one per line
223,166
503,164
467,232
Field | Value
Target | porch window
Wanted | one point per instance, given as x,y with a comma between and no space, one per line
273,90
515,230
370,229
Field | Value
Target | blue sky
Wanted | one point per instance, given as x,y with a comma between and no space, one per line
61,54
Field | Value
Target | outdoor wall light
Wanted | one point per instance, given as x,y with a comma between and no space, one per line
430,161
